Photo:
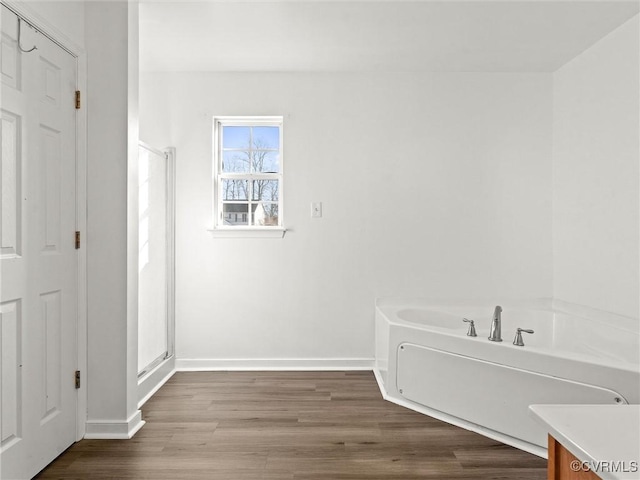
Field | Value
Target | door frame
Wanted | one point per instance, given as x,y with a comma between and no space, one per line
23,10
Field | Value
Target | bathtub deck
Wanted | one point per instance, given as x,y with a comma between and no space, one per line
289,426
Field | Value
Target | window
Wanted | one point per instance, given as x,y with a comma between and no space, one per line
248,172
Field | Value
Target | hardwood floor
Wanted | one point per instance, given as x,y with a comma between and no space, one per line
289,426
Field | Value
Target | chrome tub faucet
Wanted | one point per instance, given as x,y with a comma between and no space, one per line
495,334
472,328
518,338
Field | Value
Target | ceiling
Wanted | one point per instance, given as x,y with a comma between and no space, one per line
352,36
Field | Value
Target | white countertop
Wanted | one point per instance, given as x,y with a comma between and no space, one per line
607,436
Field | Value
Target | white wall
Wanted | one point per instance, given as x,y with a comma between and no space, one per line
156,123
66,17
596,138
432,185
112,105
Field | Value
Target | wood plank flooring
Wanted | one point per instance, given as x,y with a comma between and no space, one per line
289,426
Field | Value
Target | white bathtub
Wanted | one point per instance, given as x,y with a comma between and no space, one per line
425,361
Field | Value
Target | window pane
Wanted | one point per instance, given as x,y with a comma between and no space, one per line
235,137
235,213
265,190
265,214
235,189
248,171
266,137
236,162
266,161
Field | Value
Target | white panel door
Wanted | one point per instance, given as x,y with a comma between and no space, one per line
38,260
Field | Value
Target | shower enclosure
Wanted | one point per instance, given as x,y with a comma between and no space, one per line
155,257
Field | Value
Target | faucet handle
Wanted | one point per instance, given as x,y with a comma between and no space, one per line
518,339
472,328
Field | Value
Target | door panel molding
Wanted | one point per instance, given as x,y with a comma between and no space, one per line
78,51
52,241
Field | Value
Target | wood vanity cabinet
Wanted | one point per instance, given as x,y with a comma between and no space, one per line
560,461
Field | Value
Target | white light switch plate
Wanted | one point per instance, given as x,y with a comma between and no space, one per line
316,209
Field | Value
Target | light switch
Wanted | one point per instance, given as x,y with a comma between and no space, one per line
316,209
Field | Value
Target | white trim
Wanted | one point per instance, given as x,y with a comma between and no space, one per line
81,226
114,430
21,9
148,147
458,422
151,382
248,120
274,364
218,175
170,152
362,1
383,389
239,232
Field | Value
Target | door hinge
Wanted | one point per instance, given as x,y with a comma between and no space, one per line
77,377
77,240
77,99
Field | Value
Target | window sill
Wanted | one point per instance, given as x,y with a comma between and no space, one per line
269,232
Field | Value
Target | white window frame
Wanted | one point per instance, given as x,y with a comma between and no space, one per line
219,228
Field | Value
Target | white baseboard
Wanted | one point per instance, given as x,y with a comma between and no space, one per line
156,378
383,389
113,429
297,364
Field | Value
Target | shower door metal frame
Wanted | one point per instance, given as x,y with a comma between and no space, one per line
169,153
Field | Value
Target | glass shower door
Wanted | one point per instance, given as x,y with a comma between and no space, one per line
154,268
